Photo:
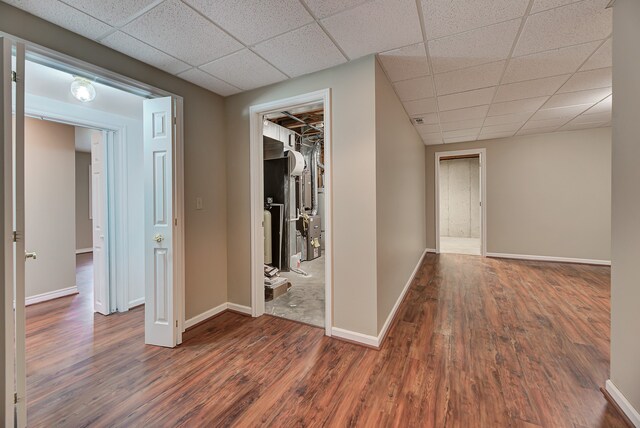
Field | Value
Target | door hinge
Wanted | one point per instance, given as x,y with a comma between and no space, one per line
176,323
14,76
15,398
175,221
15,236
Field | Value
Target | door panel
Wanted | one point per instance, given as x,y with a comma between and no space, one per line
160,316
99,210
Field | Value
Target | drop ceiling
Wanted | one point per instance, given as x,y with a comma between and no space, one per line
469,70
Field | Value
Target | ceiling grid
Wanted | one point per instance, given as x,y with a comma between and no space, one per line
470,70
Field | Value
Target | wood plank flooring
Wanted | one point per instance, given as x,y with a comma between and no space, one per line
476,343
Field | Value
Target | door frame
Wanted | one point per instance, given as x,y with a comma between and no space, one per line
482,153
72,65
256,114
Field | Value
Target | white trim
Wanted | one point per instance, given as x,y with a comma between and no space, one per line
206,315
376,341
256,113
550,259
431,250
136,302
483,193
623,403
84,250
354,336
50,295
239,308
392,314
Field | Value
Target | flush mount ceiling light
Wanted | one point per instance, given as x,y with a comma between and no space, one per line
82,90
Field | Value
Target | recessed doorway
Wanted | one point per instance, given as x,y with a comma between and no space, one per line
460,210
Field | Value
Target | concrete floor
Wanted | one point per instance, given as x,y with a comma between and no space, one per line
454,245
304,302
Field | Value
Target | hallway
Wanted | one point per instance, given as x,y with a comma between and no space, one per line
520,355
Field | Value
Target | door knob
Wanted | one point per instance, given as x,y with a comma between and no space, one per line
158,238
30,255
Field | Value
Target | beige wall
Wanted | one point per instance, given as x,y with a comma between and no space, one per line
50,206
205,169
625,272
84,237
460,197
547,195
353,194
400,197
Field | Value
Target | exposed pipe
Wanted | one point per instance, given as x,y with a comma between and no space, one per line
315,160
297,119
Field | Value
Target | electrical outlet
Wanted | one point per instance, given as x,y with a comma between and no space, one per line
199,205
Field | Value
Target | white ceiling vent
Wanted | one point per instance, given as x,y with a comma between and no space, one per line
418,120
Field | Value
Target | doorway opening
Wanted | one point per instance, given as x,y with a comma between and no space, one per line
291,209
459,202
134,167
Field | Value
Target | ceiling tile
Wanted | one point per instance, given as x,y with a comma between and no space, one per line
592,79
428,105
536,131
517,106
209,82
591,96
506,127
471,132
324,8
113,12
473,98
432,141
464,114
481,76
540,5
301,51
463,124
572,126
429,118
593,118
475,47
254,21
548,123
64,16
530,88
428,129
559,112
375,26
446,17
414,89
550,63
244,69
602,106
507,119
462,139
494,136
405,63
569,25
135,48
601,58
180,31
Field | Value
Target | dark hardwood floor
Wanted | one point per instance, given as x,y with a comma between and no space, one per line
476,343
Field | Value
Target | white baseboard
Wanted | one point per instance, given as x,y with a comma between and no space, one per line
136,302
431,250
239,308
38,298
376,341
392,314
623,403
84,250
205,315
550,259
354,336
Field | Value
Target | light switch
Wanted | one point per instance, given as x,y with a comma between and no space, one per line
199,203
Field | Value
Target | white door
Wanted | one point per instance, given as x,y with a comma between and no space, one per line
161,327
99,211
